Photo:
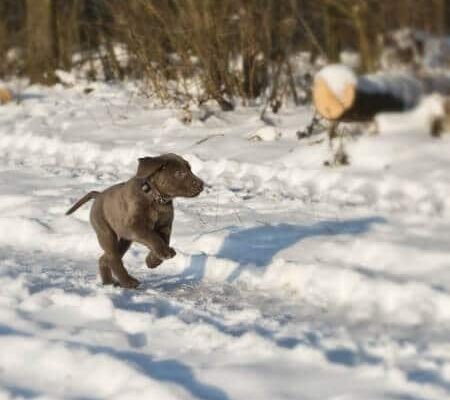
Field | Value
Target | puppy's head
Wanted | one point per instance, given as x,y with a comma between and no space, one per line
171,175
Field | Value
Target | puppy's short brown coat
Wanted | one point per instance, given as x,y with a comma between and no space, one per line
139,210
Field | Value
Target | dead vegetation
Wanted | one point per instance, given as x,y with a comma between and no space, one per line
187,51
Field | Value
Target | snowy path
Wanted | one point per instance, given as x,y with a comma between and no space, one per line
292,281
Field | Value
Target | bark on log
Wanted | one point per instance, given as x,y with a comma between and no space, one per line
340,95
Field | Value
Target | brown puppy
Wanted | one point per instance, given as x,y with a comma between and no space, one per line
139,210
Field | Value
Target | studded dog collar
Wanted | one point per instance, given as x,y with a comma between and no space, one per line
147,187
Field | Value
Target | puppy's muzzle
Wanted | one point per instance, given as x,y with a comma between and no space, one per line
197,186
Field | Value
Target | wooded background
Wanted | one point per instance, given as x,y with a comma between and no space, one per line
234,48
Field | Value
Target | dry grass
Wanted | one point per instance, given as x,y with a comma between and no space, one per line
197,50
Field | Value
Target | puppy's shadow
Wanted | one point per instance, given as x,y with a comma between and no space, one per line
257,246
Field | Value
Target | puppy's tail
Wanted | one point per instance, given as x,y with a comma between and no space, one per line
84,199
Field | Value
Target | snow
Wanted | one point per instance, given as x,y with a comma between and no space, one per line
351,59
266,133
338,77
429,109
292,280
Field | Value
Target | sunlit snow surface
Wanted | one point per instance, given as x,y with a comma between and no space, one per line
292,281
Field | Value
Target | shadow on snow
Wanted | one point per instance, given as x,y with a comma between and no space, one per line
257,246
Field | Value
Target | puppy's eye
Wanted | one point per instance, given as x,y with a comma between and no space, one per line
180,174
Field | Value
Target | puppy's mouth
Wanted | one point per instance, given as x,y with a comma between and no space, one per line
194,193
192,190
197,188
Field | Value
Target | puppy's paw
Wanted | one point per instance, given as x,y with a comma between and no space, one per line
152,261
130,283
111,281
165,253
172,252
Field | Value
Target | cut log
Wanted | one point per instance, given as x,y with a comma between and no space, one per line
330,105
340,95
5,95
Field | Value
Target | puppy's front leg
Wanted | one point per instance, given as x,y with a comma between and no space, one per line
152,259
154,242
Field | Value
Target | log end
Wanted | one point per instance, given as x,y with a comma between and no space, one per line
6,95
330,105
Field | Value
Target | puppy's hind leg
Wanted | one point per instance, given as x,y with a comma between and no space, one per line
114,250
105,270
113,259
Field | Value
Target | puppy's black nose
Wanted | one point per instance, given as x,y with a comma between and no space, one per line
199,185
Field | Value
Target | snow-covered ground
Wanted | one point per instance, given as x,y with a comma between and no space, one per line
292,281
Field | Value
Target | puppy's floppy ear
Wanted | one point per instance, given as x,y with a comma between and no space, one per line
148,166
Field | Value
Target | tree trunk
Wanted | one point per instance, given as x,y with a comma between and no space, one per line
66,16
331,30
3,36
366,49
40,42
